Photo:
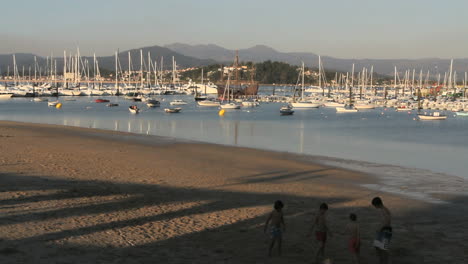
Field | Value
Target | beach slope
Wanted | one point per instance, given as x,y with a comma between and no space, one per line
76,195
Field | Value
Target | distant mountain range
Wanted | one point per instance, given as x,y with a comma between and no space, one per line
261,53
108,62
201,55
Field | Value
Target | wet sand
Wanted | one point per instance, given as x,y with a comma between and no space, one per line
76,195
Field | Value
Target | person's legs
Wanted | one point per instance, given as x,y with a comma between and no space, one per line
272,244
280,241
379,255
356,258
320,251
384,256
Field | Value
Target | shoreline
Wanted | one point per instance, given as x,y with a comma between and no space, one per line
379,174
444,158
73,194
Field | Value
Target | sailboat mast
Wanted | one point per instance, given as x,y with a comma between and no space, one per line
320,76
141,68
302,85
450,74
65,84
148,71
419,91
35,71
129,68
173,71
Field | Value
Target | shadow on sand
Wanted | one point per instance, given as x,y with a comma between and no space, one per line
64,221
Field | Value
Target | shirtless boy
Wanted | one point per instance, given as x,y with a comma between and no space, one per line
384,231
354,239
276,221
321,230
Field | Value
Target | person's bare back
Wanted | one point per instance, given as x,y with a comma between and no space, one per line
352,230
321,222
386,220
276,218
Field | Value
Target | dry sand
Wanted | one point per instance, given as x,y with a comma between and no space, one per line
74,195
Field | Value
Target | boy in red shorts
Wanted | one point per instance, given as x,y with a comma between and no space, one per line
321,230
354,243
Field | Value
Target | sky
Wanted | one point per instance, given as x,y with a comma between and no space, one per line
339,28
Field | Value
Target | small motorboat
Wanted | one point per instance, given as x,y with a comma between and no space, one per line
333,104
101,101
434,116
346,110
70,99
172,110
137,99
305,104
462,113
40,99
5,96
286,110
112,105
230,106
208,103
402,109
250,103
153,103
134,109
364,106
178,102
54,103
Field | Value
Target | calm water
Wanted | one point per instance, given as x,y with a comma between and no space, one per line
381,136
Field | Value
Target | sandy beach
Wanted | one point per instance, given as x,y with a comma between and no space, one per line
76,195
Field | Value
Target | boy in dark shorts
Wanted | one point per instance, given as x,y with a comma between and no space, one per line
321,230
354,241
384,232
276,221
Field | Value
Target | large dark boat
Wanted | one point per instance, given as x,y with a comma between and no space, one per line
239,88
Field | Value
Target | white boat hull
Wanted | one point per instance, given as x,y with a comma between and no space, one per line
230,106
429,117
344,110
5,96
333,104
363,107
178,103
249,104
208,103
305,105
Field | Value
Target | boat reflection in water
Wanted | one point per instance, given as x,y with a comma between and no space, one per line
361,136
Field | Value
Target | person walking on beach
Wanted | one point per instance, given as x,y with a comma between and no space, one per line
384,232
277,226
354,241
321,230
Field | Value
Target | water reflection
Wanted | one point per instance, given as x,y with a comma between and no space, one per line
362,136
301,138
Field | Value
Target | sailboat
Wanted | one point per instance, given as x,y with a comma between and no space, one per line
302,103
426,116
200,97
228,104
350,108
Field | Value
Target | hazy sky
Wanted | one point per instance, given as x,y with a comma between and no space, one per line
339,28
